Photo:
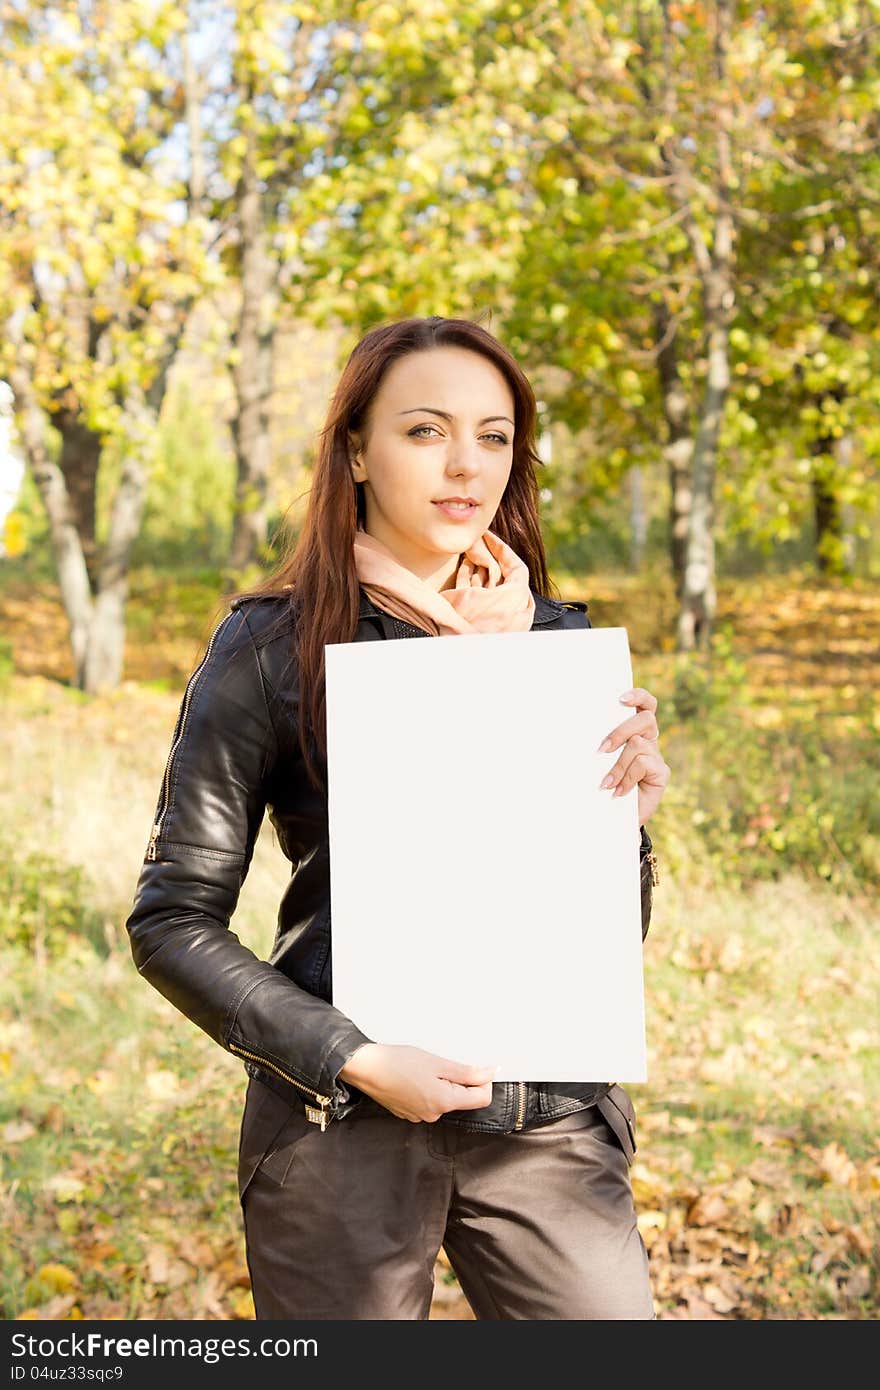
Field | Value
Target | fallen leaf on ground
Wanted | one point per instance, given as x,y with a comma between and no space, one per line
834,1163
710,1209
18,1130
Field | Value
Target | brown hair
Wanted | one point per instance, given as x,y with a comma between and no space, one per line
318,568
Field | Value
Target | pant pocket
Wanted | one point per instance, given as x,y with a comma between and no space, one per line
264,1125
617,1110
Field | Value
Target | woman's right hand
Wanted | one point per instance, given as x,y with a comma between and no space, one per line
416,1085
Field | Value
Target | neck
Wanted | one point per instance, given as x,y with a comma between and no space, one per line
438,578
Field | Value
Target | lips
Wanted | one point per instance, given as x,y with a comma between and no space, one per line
458,511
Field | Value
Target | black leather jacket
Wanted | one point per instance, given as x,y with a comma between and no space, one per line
234,754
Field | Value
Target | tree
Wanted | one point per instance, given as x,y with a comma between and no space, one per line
333,188
806,348
669,138
101,268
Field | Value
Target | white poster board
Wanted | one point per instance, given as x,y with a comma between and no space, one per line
485,895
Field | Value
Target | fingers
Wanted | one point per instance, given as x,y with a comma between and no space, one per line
469,1087
645,726
419,1086
469,1097
643,771
463,1073
638,761
643,722
639,698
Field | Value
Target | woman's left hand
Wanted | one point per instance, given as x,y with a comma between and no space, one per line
640,763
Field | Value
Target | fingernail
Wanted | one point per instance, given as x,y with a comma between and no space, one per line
628,698
604,746
607,781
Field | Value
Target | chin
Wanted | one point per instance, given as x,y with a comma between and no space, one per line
462,538
457,536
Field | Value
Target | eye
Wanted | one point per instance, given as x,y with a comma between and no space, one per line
417,433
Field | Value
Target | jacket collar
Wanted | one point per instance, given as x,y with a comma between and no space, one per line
547,610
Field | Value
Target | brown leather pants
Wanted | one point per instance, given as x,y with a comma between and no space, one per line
347,1224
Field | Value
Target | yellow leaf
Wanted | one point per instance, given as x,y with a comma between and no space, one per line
64,1187
14,542
57,1277
645,1184
243,1306
652,1220
163,1085
834,1164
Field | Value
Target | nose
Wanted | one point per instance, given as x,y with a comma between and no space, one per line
463,458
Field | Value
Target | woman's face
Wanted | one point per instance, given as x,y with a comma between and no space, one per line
440,426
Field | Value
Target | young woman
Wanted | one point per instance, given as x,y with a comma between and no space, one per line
358,1159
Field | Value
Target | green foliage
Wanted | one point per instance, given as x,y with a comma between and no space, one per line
93,251
7,663
704,686
763,801
780,803
45,906
188,512
421,158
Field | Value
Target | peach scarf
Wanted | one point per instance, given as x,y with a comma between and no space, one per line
491,592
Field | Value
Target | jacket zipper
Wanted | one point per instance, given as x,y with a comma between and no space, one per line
313,1113
166,782
521,1105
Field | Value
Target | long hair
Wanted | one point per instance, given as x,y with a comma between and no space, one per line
317,571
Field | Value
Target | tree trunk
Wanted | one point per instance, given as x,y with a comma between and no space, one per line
96,615
73,578
252,373
679,448
106,648
833,548
831,545
698,599
79,460
638,519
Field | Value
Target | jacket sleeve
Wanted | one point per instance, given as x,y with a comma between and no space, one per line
210,808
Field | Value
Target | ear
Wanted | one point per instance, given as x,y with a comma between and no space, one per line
359,472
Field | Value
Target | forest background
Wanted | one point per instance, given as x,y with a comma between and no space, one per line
669,212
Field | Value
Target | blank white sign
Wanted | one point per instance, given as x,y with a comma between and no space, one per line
485,894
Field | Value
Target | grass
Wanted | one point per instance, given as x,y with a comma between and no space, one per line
758,1169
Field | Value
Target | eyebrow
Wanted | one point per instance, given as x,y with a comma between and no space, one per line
432,410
